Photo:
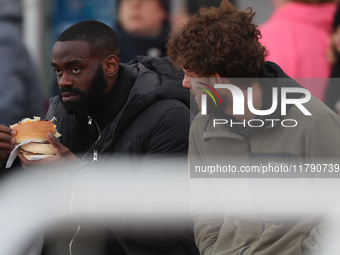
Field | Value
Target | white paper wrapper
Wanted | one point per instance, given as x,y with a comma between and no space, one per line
15,152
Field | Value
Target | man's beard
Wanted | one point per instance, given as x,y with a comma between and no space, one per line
90,101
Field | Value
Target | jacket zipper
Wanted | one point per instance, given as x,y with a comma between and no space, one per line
90,121
95,152
95,159
95,156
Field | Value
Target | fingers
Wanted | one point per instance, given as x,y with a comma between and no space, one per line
54,141
4,154
63,157
36,162
52,161
7,130
23,160
6,146
7,137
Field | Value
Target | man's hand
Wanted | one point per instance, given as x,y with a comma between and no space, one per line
7,142
63,157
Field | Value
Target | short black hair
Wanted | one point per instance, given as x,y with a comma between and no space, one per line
99,36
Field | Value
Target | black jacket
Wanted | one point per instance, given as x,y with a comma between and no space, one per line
154,120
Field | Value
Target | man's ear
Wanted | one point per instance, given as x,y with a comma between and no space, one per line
215,78
111,65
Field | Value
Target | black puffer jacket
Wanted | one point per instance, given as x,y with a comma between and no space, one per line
154,120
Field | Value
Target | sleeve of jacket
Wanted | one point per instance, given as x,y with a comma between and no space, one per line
170,135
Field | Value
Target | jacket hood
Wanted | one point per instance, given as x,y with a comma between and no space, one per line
315,14
11,10
271,76
169,85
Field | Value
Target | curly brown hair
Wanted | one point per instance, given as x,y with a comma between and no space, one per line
220,40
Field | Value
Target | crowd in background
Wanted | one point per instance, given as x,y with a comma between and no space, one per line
20,88
297,36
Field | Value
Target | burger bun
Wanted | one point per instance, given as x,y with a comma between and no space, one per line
34,133
36,130
39,148
33,157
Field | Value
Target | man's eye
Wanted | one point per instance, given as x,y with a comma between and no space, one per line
58,72
75,70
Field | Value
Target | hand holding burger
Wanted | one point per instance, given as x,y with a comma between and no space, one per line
35,130
7,143
41,143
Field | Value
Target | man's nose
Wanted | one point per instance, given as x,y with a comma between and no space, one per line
186,82
65,81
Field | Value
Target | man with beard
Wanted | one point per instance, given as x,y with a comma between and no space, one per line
107,107
110,110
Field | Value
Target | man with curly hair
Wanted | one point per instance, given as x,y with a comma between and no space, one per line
277,127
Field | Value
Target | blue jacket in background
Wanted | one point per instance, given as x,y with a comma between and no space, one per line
20,93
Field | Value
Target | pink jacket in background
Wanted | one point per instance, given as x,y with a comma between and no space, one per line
297,38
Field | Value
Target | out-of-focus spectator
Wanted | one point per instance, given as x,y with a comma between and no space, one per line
297,37
183,9
195,5
20,93
332,97
142,27
179,14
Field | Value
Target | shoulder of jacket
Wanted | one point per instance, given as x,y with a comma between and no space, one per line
318,110
314,106
166,106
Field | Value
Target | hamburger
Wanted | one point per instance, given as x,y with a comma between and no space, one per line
35,130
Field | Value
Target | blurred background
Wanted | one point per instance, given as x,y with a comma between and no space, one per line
44,20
